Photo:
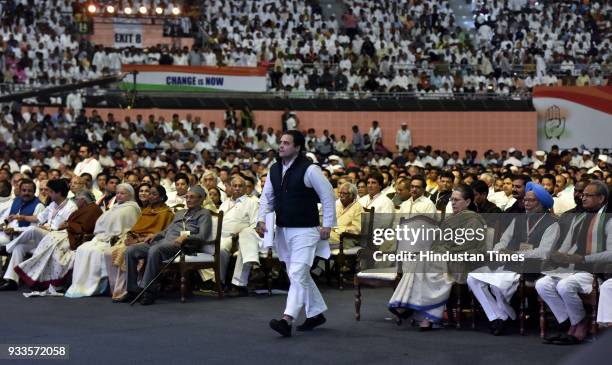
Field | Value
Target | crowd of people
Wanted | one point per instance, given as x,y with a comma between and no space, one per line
94,200
394,46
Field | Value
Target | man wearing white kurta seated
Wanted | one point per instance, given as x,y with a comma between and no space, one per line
418,203
239,218
533,235
88,163
48,220
177,199
588,241
377,200
292,190
26,204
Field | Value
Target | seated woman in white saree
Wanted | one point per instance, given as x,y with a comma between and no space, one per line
90,276
425,286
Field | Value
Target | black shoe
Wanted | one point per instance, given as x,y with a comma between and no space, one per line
148,298
3,251
310,323
499,327
127,298
281,326
237,291
208,285
566,340
549,340
494,325
9,285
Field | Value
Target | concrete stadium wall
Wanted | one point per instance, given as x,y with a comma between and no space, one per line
445,130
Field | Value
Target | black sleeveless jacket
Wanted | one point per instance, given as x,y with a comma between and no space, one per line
295,204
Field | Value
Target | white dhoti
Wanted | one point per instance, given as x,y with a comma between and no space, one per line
604,309
89,276
494,290
50,264
560,291
25,243
297,248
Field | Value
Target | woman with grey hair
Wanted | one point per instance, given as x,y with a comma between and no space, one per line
90,276
53,258
348,214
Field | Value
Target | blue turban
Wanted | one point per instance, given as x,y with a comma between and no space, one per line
541,194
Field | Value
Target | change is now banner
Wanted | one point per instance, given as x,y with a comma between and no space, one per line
574,116
198,79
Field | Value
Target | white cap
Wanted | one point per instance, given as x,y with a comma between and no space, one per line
511,150
334,157
586,153
25,168
604,158
404,123
312,156
540,153
416,163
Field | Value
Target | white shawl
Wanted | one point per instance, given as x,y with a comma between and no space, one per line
117,220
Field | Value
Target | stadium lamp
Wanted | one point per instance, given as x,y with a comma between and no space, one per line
159,10
110,9
127,10
92,8
176,10
142,10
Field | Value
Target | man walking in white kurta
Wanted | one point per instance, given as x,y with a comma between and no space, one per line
292,190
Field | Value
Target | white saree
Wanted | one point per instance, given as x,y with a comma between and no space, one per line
50,263
90,276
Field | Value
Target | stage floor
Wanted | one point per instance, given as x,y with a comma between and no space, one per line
235,331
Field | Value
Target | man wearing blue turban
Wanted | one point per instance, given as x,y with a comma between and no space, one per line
533,235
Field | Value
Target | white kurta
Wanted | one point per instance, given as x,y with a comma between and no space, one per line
422,205
239,217
174,200
14,224
90,276
313,178
297,247
90,166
